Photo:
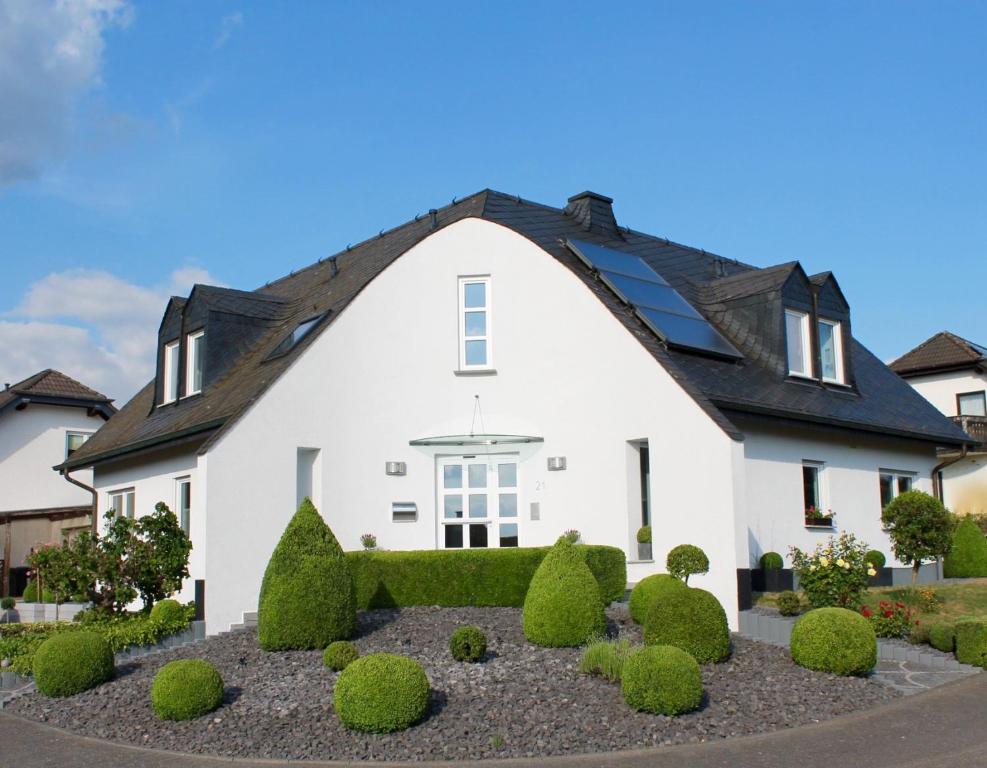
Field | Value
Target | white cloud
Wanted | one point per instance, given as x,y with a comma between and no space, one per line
91,325
229,23
51,54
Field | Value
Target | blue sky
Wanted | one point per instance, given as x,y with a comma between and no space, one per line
232,142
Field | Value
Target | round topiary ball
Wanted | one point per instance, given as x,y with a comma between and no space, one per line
186,689
834,640
789,603
563,607
168,612
691,619
649,590
663,680
875,558
468,644
340,654
772,561
685,560
72,662
381,692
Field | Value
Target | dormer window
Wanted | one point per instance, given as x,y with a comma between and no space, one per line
169,392
194,351
831,350
797,338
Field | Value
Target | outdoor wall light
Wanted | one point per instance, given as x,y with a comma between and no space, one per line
556,463
396,468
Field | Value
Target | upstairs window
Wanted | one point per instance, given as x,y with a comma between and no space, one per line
194,349
169,392
474,323
74,441
797,337
972,404
831,350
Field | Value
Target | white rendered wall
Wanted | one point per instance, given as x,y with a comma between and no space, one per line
157,480
32,441
849,486
384,373
941,389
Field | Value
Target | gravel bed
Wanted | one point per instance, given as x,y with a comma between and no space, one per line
521,701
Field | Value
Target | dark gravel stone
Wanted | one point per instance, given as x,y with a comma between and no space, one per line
522,700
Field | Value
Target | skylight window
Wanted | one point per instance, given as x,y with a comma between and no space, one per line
303,329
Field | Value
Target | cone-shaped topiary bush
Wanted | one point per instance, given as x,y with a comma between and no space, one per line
663,680
968,557
381,692
691,619
649,590
834,640
307,598
186,689
563,605
72,662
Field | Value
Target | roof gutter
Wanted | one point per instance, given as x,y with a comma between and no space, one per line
92,510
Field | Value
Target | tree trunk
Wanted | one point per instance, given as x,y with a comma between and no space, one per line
915,566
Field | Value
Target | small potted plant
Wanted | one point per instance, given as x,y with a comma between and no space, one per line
773,574
369,542
644,543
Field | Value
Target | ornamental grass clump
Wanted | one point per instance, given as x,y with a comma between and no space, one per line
606,658
307,597
834,640
648,591
381,692
835,573
468,643
563,607
968,557
686,560
662,680
339,655
186,689
72,662
693,620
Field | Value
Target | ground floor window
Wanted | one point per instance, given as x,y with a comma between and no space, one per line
122,502
184,502
892,483
815,513
478,505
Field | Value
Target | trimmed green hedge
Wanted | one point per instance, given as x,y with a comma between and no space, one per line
648,591
942,636
476,577
971,642
186,689
968,557
381,692
834,640
663,680
72,662
691,619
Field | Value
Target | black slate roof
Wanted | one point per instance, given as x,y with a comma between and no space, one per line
880,401
943,352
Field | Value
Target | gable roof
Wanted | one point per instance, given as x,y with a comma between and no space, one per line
51,387
881,402
943,352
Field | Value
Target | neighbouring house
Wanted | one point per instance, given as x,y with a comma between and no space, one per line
951,373
497,371
43,421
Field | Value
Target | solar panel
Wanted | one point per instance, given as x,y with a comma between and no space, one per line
659,306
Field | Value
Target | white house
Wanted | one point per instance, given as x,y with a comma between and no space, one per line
951,373
495,372
44,419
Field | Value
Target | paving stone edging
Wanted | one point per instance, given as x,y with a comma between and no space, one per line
13,686
777,630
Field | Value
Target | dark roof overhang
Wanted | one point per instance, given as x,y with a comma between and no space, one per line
102,408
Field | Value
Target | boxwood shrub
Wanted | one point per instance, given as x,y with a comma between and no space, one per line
968,557
649,590
186,689
971,642
942,636
477,577
381,692
563,606
691,619
875,558
834,640
663,680
72,662
468,643
789,603
168,611
772,561
340,654
307,597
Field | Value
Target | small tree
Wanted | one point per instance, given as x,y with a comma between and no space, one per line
921,528
158,556
685,560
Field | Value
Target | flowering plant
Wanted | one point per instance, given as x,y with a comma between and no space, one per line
890,619
834,573
815,516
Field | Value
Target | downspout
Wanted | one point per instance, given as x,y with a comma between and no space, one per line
92,513
936,485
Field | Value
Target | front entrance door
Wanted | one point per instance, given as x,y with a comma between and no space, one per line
478,501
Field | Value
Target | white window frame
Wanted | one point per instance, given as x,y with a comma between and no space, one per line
184,514
193,347
837,327
169,388
123,493
488,338
492,490
822,491
77,432
896,475
803,318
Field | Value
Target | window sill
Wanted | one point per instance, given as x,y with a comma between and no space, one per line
820,527
475,372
